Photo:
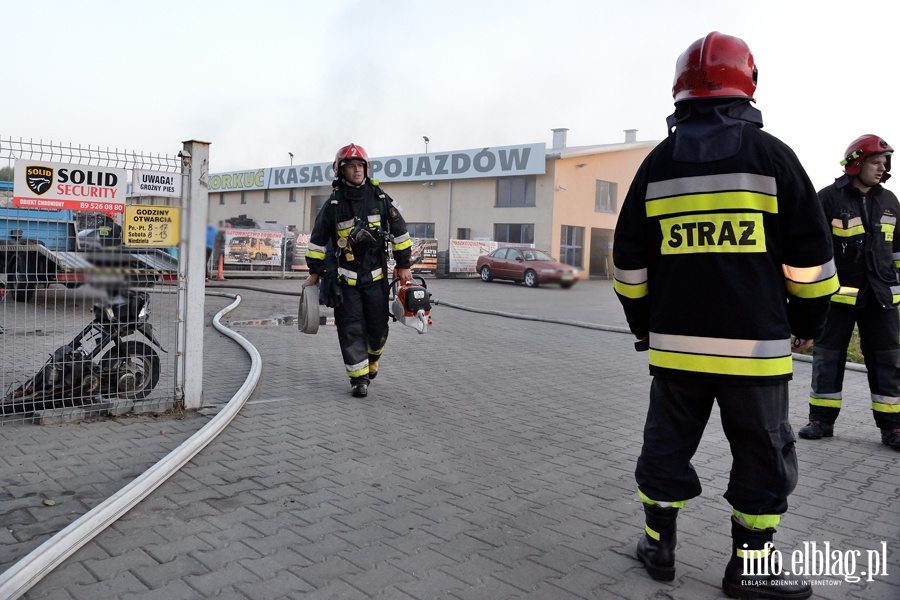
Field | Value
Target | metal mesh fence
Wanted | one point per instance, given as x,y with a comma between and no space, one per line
88,325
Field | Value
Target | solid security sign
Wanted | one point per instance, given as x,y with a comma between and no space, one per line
40,184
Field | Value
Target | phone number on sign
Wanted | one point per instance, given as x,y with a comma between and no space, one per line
99,206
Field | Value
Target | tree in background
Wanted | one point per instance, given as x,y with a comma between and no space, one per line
6,174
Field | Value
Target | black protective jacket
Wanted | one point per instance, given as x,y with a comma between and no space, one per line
866,245
360,259
721,250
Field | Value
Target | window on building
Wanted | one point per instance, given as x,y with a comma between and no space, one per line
293,196
420,230
514,233
243,196
605,200
571,246
516,191
463,233
222,199
318,202
266,196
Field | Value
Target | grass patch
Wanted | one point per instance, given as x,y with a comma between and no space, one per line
854,354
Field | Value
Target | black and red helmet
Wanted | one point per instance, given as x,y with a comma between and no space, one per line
863,147
348,153
717,66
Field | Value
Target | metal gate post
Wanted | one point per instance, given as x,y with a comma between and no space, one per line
192,255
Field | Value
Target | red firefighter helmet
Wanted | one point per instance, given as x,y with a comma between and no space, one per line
717,66
347,153
863,147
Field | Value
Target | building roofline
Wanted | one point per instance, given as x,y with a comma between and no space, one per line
579,151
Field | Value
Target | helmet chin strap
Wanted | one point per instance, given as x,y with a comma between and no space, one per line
349,183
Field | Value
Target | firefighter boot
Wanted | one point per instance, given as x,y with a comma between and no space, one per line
657,548
749,573
816,430
359,387
889,437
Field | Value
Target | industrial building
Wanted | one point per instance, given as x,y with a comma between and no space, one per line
561,199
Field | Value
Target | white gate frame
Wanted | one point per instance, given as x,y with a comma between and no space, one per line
194,207
192,272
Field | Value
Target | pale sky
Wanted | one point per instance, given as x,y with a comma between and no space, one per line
264,78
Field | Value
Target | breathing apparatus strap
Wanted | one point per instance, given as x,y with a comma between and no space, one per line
383,201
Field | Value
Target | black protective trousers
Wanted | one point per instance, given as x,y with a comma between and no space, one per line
362,325
755,421
878,338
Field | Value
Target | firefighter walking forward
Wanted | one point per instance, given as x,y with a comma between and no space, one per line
721,253
347,256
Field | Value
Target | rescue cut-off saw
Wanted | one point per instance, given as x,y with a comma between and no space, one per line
411,303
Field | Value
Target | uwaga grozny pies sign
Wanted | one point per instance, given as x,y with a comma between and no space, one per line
68,186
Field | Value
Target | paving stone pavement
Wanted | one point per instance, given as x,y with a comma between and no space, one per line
493,459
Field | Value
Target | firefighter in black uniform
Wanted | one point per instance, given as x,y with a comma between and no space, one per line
109,232
863,218
348,253
721,253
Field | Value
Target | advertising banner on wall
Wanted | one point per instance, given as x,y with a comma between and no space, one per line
301,243
252,247
464,254
423,257
498,161
40,184
424,254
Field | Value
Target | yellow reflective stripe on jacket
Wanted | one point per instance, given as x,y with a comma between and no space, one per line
846,295
631,291
351,277
854,227
888,230
631,283
717,202
896,256
811,282
345,227
315,251
401,242
755,358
